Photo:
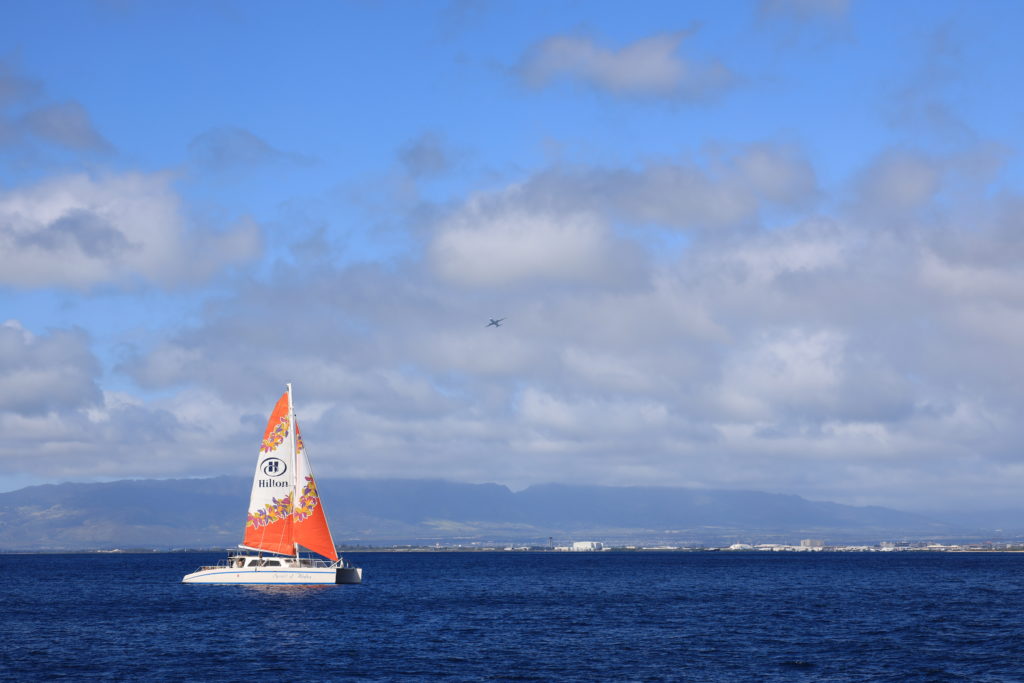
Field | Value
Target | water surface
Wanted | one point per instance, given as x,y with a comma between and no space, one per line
525,616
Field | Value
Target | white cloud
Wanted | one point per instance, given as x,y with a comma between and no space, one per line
44,373
794,372
972,282
79,231
817,357
729,190
493,241
648,67
900,180
609,370
62,425
601,418
804,248
776,173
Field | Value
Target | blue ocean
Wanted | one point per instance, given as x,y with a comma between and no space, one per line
525,616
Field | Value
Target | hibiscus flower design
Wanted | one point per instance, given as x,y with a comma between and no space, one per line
276,436
272,512
308,500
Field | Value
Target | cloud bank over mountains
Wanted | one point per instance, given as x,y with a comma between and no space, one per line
739,311
823,347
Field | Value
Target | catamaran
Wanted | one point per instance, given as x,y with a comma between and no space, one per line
285,512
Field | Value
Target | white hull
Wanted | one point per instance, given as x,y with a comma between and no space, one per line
252,571
275,576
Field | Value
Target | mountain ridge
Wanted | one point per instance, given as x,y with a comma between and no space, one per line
207,512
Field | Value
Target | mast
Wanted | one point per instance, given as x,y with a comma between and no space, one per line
295,461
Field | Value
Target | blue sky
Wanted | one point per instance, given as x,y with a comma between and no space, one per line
769,245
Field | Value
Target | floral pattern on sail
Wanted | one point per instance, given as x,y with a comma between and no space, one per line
276,436
272,512
308,500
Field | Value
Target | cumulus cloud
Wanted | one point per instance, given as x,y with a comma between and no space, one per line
228,147
46,373
118,435
715,319
80,231
649,67
900,180
496,242
63,425
815,357
728,191
688,196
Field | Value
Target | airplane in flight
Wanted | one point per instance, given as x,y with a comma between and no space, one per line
495,323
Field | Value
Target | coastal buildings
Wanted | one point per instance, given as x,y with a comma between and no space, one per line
582,547
586,546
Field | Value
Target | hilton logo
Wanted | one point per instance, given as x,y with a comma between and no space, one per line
274,467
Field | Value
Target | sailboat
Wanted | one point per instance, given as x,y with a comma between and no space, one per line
285,512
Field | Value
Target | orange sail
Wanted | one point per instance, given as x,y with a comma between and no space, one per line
310,525
269,525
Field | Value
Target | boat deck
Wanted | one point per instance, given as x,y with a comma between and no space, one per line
240,561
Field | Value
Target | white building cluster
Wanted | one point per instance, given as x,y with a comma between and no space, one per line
781,547
582,547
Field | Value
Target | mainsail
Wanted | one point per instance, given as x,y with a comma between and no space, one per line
283,476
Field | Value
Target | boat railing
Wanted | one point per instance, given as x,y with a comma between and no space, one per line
314,562
302,561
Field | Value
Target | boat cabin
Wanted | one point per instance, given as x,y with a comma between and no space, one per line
247,561
255,562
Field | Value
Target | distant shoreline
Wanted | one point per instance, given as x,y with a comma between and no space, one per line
617,551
